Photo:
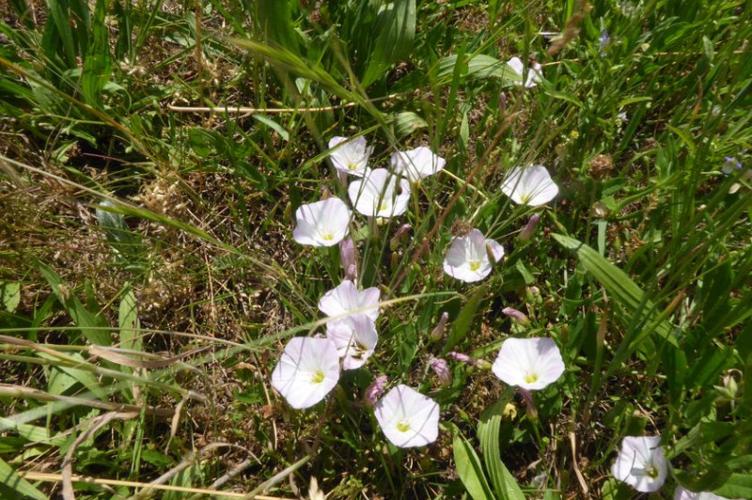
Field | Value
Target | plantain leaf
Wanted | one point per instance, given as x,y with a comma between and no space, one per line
128,322
469,468
396,28
18,484
461,325
479,67
620,286
504,484
92,326
98,64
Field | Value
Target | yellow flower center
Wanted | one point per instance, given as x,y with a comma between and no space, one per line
327,236
383,206
525,198
403,426
474,265
352,166
531,378
651,471
317,377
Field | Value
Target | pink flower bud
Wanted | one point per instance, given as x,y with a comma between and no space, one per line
440,329
462,358
348,258
441,369
399,235
516,315
529,229
374,391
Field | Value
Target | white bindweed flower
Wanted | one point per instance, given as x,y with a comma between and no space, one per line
530,186
469,257
641,463
534,72
531,364
417,163
307,371
351,157
323,223
407,417
346,298
376,194
355,338
685,494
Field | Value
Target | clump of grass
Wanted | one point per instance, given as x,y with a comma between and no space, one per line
153,158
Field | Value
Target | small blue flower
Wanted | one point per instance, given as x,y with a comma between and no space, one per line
604,39
730,164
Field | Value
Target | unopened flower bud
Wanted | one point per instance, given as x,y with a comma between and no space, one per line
441,369
533,295
399,236
483,364
374,391
348,258
461,357
440,329
529,229
517,316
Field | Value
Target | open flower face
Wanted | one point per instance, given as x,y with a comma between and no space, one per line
534,72
531,186
307,371
346,298
469,257
685,494
323,223
351,155
407,417
531,364
355,338
641,463
378,195
417,163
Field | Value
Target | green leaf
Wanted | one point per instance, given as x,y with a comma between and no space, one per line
17,483
91,325
273,125
395,40
469,468
97,64
737,486
461,325
504,484
408,122
479,67
10,295
620,286
128,322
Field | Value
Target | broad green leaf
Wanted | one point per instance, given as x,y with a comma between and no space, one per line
97,64
33,433
273,125
461,325
619,285
737,486
469,468
504,484
10,295
480,67
63,378
396,28
128,322
408,122
91,325
18,484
